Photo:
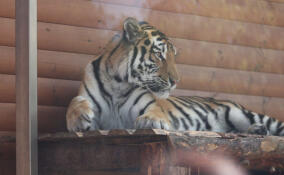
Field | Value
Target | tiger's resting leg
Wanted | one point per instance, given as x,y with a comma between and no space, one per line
151,121
80,115
155,117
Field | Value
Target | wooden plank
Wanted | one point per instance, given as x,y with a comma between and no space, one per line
256,11
52,92
201,28
57,92
26,87
51,64
279,1
262,153
174,149
51,118
77,43
60,37
229,81
203,53
175,25
70,65
60,92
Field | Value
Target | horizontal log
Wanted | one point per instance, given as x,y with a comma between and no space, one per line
160,149
58,92
60,37
63,65
255,11
202,53
52,92
51,64
253,152
50,119
228,81
208,54
98,15
264,12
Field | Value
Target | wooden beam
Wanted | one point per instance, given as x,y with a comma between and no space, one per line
26,87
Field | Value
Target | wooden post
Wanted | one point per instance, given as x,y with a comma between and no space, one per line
26,87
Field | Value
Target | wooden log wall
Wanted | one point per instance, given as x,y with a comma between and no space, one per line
227,49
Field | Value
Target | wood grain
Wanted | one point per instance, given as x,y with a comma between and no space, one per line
51,64
50,91
26,87
59,92
228,81
63,65
50,119
60,37
255,11
174,25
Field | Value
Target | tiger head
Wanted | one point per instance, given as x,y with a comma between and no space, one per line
151,63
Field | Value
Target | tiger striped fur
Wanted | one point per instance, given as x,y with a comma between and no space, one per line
128,87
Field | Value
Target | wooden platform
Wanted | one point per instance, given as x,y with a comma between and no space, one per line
151,152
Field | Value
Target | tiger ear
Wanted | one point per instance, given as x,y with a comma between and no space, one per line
132,29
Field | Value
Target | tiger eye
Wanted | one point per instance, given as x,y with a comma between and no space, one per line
147,42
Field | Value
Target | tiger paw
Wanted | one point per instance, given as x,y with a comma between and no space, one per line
258,129
146,122
80,116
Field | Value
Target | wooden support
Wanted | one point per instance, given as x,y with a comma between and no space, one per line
158,152
26,87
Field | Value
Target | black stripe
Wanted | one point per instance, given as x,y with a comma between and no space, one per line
134,56
126,95
143,52
93,99
113,50
174,120
198,125
96,69
184,124
139,97
227,115
142,111
268,123
208,106
261,116
129,91
117,78
203,117
278,124
249,115
199,105
279,130
182,111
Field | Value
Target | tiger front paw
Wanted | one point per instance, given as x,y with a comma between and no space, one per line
80,116
147,122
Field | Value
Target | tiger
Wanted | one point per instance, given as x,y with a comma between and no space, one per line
128,87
